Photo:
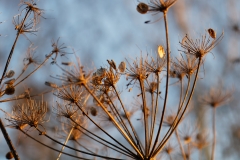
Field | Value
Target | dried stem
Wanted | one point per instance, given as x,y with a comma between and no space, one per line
8,140
214,133
69,134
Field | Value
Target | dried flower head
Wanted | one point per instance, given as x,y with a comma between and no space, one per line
200,47
57,49
136,71
30,58
157,6
31,113
31,7
183,67
73,94
217,96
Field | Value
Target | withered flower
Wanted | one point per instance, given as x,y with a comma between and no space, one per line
200,47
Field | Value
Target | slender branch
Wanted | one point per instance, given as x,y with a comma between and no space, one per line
13,47
145,117
8,140
69,134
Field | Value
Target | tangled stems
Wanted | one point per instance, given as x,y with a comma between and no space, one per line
114,122
176,123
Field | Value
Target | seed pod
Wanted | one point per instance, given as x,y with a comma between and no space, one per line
67,63
161,51
93,111
122,67
10,90
212,33
9,155
50,84
142,8
10,74
10,81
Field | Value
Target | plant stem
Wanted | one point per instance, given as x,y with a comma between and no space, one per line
8,140
214,133
60,153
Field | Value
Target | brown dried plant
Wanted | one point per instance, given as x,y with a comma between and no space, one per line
90,106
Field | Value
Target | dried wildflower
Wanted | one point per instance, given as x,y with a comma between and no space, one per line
142,8
187,133
157,6
31,113
151,87
136,71
37,12
155,65
201,140
217,96
22,27
184,67
57,49
200,47
66,110
30,59
76,75
105,77
73,94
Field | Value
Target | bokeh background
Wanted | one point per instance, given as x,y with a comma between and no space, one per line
113,29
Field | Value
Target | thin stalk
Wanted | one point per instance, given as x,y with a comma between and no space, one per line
155,112
60,153
13,47
167,81
180,144
46,135
8,140
114,122
146,128
214,133
51,147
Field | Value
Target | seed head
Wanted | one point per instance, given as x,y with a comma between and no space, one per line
142,8
200,47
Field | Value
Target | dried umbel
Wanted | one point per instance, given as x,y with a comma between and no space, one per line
199,47
31,113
